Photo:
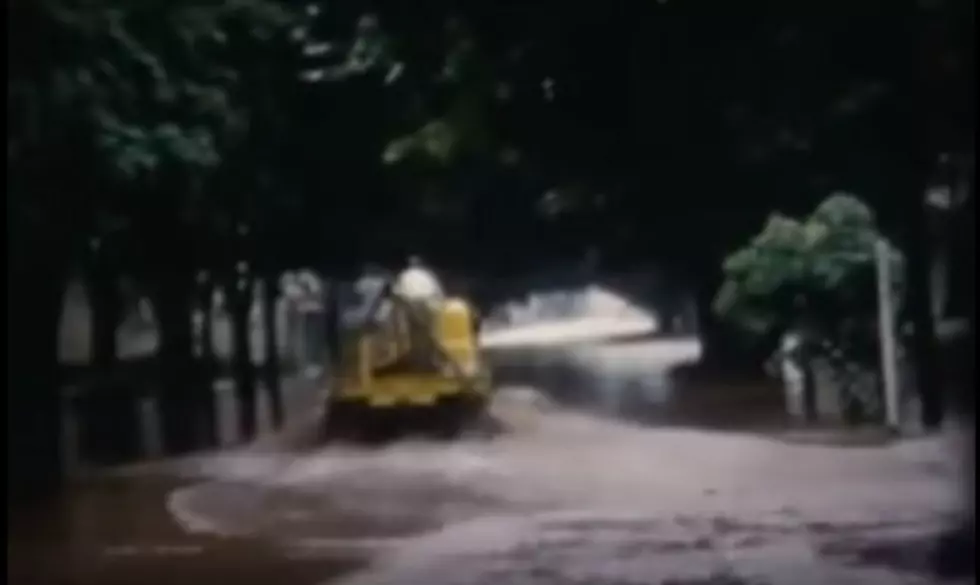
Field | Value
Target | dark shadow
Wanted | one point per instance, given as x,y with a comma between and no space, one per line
376,427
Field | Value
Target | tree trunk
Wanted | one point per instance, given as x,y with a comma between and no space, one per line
810,414
34,404
709,330
957,550
968,246
106,306
270,290
967,386
110,407
243,371
206,360
180,396
928,371
205,296
921,133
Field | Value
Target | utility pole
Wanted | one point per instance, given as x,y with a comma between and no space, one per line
886,328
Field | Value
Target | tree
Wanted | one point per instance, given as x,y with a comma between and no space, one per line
816,279
114,133
47,157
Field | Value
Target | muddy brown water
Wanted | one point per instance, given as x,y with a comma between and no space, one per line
117,530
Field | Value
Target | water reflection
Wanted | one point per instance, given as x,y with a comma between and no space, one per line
613,378
118,532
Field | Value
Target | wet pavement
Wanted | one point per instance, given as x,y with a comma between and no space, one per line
598,478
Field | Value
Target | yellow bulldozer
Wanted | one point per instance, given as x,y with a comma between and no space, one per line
405,364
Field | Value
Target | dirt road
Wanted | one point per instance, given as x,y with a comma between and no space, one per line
567,498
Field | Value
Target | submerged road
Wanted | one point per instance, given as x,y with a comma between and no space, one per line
573,491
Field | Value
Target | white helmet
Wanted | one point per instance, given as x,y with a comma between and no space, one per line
417,283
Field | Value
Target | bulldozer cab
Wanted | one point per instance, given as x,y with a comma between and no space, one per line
383,333
361,304
362,308
381,328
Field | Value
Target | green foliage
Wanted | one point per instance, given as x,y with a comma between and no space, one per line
368,50
818,275
126,96
159,81
299,103
462,126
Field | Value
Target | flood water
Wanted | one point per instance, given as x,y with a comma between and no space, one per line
118,530
643,381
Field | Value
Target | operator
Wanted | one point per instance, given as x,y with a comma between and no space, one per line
423,293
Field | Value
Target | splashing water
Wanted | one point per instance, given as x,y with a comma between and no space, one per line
569,316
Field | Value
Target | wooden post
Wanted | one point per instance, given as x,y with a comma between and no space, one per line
886,328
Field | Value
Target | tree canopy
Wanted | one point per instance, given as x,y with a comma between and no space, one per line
818,276
613,109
